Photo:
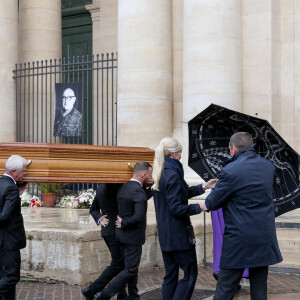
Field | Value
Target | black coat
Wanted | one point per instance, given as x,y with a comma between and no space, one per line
172,209
70,125
105,203
12,232
244,191
132,203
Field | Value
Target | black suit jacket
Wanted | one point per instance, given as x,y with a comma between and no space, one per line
132,203
105,203
12,232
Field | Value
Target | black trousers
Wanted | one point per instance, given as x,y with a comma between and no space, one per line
132,257
172,289
10,262
229,280
115,267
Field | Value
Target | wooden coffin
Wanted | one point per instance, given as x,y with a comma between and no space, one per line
76,163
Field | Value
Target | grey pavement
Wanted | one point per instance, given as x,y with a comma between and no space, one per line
280,286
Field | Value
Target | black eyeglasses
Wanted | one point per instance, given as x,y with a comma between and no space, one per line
69,98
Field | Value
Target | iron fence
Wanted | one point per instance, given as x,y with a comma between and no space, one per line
37,98
36,105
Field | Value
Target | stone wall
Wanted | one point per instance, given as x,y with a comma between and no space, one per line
64,253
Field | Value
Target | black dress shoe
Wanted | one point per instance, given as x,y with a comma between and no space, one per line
123,297
86,293
216,276
100,296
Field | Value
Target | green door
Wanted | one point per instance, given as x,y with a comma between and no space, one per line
77,54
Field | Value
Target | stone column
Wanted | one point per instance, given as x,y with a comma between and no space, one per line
108,34
177,34
105,25
261,59
94,10
297,77
211,58
289,73
8,59
40,30
40,34
144,72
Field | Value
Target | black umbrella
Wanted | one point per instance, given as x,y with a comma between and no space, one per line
209,134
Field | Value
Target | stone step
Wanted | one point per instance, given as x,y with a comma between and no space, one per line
290,257
289,244
288,233
291,216
288,265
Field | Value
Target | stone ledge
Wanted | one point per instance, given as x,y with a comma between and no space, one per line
65,245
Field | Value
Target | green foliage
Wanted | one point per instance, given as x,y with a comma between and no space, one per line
51,187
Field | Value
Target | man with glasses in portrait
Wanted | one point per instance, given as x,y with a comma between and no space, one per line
68,122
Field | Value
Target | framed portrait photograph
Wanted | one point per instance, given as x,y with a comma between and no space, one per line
68,109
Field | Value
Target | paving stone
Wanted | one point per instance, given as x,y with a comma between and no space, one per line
155,294
278,284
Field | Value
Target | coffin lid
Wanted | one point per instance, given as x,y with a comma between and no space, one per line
76,163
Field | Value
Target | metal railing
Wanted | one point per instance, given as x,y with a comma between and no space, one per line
36,95
37,98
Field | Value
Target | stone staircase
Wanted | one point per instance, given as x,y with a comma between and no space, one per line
288,234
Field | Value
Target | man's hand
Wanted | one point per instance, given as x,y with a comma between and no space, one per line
210,184
203,206
104,221
118,222
147,184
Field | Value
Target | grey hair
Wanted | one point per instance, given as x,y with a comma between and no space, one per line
241,140
15,162
166,148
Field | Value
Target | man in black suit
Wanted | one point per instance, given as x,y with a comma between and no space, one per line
104,210
12,232
131,227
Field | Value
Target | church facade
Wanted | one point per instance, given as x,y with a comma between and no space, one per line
175,57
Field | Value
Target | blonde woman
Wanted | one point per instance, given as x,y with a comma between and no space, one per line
171,194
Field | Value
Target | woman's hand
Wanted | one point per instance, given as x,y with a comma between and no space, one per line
210,184
203,206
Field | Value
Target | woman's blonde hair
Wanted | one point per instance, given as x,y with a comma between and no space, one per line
166,148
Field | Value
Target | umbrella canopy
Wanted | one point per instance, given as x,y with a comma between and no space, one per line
209,134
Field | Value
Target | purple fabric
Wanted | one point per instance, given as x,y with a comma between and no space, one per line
218,231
